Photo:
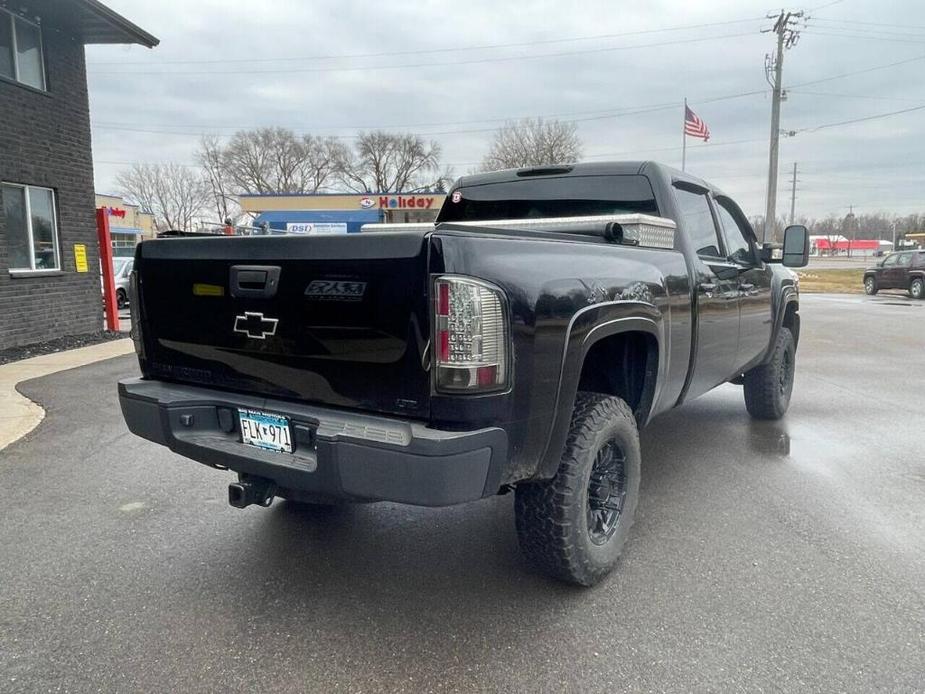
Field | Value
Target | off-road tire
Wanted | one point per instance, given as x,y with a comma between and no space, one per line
552,515
917,288
768,387
870,285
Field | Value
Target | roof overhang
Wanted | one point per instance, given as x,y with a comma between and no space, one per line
100,24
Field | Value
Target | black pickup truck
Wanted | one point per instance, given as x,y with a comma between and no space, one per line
517,345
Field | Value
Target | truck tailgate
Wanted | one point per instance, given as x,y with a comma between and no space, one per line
338,320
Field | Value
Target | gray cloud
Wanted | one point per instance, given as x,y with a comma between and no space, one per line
872,165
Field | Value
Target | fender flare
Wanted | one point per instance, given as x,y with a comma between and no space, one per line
586,328
789,295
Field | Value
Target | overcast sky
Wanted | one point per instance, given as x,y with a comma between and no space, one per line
229,64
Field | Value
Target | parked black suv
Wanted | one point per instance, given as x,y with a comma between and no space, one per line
902,270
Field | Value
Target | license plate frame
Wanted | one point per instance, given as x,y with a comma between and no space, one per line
267,431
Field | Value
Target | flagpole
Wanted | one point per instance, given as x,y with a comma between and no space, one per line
684,135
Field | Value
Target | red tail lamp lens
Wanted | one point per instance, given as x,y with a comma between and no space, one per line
443,299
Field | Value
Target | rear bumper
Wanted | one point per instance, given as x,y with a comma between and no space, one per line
337,454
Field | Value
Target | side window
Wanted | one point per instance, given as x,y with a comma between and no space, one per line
21,57
736,235
905,260
31,227
697,222
890,261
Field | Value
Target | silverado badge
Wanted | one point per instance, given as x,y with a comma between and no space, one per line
255,325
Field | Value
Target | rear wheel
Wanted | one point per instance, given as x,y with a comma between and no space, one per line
917,288
573,527
768,387
870,285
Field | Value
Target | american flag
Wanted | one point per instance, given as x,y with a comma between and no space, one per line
695,127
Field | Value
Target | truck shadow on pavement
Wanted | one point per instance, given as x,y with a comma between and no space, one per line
437,553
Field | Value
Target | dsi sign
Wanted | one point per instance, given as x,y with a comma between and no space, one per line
399,202
316,227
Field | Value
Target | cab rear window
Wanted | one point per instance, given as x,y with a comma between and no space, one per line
550,196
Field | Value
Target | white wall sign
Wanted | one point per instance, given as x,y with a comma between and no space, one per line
316,227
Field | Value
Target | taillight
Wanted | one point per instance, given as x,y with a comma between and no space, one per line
134,307
470,336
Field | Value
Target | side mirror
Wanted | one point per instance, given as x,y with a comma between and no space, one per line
796,246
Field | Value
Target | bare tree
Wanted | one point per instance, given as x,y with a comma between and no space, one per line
385,162
276,160
211,157
532,142
173,193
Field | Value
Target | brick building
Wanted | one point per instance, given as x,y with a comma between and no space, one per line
46,169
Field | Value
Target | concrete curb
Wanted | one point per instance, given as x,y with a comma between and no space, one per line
18,414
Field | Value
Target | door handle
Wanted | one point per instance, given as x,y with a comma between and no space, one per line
258,281
708,288
748,288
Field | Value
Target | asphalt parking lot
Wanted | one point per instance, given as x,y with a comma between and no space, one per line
765,556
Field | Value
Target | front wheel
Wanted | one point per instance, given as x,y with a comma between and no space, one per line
573,527
870,285
917,288
121,299
768,387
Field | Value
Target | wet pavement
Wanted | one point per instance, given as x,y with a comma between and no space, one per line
781,556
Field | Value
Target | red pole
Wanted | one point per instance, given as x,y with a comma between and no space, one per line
109,282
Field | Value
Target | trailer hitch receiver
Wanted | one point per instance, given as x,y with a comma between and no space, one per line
251,490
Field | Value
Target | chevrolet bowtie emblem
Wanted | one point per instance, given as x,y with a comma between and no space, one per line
255,325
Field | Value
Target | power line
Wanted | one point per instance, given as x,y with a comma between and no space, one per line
860,120
853,29
137,127
424,51
871,37
857,72
852,96
674,149
405,66
852,22
199,126
828,4
468,131
598,115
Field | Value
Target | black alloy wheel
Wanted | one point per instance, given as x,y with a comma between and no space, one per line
606,492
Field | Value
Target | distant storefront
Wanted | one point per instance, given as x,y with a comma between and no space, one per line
839,245
127,223
326,213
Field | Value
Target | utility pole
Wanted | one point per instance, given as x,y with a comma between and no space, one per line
787,37
850,228
793,192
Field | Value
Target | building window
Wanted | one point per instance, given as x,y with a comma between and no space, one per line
31,228
21,56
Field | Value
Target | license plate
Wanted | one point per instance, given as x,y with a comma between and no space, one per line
265,430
